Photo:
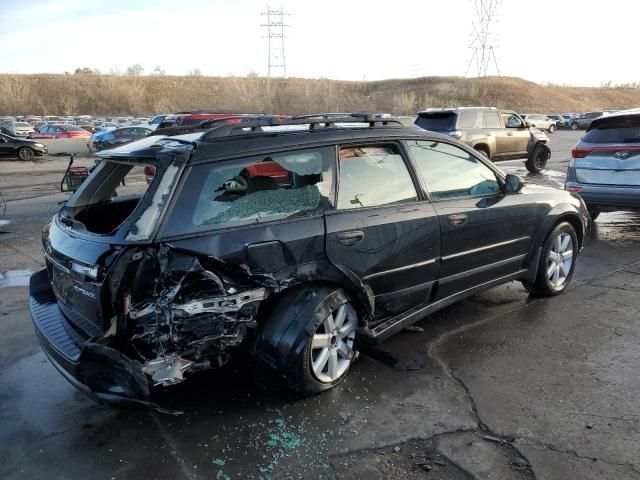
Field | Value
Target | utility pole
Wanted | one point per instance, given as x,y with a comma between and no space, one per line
484,40
277,66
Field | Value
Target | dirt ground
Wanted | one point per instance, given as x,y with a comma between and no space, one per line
498,386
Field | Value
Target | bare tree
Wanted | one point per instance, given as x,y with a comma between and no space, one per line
135,70
157,72
195,72
86,71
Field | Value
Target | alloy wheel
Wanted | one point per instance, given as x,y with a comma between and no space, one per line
560,260
331,350
26,154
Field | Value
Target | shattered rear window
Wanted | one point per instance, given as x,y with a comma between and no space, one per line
254,190
110,195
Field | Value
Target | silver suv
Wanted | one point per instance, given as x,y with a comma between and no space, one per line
605,168
497,134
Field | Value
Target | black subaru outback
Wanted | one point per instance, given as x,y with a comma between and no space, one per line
295,240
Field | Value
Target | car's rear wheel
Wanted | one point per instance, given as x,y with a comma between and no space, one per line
26,153
593,212
557,262
552,128
537,161
483,151
574,126
309,339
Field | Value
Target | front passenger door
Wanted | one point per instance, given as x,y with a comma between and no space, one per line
485,234
517,137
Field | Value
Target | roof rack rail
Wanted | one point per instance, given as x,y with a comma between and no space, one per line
225,112
205,125
314,121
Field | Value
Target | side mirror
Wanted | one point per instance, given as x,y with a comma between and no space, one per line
513,184
527,124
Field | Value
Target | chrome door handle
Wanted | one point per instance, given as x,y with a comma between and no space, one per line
350,237
457,220
510,134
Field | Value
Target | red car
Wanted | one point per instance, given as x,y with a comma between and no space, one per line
60,131
196,118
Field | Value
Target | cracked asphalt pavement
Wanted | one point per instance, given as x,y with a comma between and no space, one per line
498,386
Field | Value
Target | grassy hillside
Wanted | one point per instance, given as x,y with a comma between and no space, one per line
135,95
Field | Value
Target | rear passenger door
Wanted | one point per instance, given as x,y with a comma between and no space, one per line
383,231
493,127
485,234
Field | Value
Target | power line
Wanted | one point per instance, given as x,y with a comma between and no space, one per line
484,41
277,65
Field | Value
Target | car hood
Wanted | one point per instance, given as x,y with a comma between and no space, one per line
539,135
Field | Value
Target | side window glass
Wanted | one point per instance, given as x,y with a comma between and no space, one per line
254,190
467,119
492,120
451,172
511,121
371,176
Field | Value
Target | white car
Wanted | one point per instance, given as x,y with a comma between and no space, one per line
21,129
541,122
122,121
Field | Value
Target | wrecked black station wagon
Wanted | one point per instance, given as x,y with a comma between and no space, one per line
291,239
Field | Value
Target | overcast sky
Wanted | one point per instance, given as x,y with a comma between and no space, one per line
578,42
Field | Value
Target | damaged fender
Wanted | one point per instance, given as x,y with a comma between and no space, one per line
298,313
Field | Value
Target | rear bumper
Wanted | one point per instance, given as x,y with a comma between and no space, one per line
100,372
609,198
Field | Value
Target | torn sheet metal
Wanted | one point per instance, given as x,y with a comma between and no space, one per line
167,370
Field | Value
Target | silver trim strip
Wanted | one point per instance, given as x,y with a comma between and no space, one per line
401,269
57,263
486,247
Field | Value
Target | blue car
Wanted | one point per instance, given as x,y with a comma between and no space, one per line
110,138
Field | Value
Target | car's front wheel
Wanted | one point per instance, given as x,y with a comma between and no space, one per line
552,128
26,153
574,126
537,161
557,261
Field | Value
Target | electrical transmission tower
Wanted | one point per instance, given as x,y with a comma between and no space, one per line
275,37
484,41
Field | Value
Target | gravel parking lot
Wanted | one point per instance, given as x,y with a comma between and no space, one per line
498,386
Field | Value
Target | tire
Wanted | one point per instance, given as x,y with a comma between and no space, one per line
309,339
25,153
574,126
552,128
555,271
483,151
593,212
537,161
